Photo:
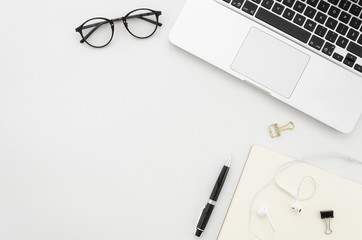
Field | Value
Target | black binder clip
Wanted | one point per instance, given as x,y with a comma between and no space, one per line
327,216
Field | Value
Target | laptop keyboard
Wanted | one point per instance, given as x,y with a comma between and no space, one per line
332,27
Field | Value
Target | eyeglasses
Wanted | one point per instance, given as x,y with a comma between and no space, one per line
140,23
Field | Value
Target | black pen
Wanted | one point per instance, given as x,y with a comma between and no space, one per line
209,207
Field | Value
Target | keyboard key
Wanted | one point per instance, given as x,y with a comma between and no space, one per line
278,8
320,31
355,49
342,29
358,68
345,17
350,59
283,25
342,42
344,4
348,62
352,34
338,57
310,25
256,1
323,6
355,23
299,7
288,3
331,23
299,19
267,3
227,1
237,3
288,14
320,17
316,42
250,7
331,36
360,39
355,10
328,48
312,2
334,12
310,12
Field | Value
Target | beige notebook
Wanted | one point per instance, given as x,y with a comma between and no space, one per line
332,192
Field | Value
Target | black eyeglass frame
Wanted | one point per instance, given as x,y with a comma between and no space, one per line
124,20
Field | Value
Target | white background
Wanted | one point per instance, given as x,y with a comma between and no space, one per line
125,142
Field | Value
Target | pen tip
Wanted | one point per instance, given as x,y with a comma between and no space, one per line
198,233
228,162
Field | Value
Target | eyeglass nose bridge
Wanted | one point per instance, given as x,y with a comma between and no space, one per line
117,19
123,19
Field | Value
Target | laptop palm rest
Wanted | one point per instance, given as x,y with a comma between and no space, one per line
280,66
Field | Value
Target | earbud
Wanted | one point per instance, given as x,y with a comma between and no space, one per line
296,207
263,212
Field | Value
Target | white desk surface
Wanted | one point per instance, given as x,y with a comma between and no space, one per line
125,142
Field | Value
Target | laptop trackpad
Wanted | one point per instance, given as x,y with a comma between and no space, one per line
270,62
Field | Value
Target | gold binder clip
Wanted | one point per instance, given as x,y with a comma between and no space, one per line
275,130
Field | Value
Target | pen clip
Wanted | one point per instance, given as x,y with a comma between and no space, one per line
198,219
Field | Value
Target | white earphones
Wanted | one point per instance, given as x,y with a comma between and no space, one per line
296,207
263,212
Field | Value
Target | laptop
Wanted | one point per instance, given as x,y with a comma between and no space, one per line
306,53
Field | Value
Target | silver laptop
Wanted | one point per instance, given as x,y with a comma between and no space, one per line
306,53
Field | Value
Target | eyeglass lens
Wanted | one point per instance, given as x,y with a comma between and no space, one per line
97,32
141,23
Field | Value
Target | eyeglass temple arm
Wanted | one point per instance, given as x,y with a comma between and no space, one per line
151,21
90,25
141,16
